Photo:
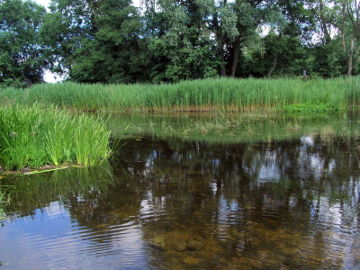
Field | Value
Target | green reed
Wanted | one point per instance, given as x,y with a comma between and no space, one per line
32,136
198,95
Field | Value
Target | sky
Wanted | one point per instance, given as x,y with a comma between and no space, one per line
43,2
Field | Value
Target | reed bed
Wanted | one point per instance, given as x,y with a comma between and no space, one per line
198,95
33,136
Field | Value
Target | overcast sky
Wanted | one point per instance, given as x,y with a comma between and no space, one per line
43,2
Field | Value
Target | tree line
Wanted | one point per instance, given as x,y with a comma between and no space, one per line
112,41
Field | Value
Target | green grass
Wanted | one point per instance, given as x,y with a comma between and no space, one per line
311,108
32,136
198,95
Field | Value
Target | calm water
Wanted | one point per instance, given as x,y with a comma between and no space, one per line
286,200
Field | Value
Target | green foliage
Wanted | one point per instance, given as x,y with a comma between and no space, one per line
111,41
31,137
96,41
311,108
22,57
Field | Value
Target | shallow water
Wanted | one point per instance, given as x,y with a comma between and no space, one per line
171,200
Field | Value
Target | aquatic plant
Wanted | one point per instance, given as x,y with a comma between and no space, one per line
233,128
3,201
311,108
32,137
197,95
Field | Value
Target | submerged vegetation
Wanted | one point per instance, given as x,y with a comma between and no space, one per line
32,137
3,201
198,95
234,128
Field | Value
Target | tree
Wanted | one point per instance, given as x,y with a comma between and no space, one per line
180,42
350,31
22,52
97,41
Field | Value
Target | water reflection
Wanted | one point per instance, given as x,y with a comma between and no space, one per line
169,204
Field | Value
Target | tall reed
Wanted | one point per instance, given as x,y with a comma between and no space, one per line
32,136
197,95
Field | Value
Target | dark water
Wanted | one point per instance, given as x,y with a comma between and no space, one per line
286,203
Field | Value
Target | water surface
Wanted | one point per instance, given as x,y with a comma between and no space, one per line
185,198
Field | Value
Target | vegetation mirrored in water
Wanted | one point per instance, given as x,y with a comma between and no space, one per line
234,128
285,200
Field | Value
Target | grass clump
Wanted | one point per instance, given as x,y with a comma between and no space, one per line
197,95
311,108
32,137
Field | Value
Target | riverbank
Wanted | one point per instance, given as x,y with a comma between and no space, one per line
223,94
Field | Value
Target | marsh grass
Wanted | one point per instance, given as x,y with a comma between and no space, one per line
32,137
223,94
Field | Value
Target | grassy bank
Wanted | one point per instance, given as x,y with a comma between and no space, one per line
32,137
198,95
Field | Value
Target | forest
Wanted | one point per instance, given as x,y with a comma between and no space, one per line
114,41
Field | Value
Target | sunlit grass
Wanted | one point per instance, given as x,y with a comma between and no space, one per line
31,137
198,95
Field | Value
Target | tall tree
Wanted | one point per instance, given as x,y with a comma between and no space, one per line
180,43
97,40
350,28
22,53
250,14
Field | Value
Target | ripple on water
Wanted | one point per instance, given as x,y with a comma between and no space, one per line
269,205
